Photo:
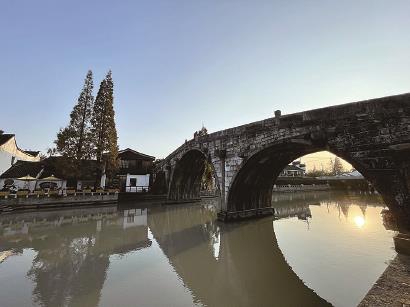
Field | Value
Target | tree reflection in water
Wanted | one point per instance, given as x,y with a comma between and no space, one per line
73,249
250,269
221,264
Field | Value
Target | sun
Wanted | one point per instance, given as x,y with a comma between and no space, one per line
359,221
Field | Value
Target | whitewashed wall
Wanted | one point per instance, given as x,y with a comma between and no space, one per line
33,184
142,182
9,150
5,161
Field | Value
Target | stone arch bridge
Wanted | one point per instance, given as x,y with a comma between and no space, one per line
372,135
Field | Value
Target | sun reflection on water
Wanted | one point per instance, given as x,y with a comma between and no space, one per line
359,221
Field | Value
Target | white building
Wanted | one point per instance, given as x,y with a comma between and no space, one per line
134,171
296,169
353,173
30,175
10,153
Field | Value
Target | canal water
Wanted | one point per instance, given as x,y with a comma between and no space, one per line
322,249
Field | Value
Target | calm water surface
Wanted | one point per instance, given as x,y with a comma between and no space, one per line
322,248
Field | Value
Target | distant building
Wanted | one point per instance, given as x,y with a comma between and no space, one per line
134,171
133,175
296,169
29,169
353,173
10,153
48,173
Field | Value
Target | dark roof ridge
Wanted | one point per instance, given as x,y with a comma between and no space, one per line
5,137
136,152
33,153
22,168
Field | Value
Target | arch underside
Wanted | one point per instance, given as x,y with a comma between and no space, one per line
252,186
186,178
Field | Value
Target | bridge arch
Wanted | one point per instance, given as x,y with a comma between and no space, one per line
372,135
186,176
252,185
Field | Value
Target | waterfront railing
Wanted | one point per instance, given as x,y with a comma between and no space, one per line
56,193
300,187
136,189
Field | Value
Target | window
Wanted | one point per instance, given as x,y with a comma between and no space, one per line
124,163
139,164
133,182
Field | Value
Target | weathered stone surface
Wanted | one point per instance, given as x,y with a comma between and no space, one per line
372,135
393,287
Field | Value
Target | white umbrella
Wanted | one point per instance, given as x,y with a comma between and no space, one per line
27,179
51,178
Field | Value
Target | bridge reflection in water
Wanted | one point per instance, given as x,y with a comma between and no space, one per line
153,257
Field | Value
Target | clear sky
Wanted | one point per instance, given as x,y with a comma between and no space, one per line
178,64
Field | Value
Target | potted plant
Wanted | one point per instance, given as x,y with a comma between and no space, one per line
87,190
70,191
23,193
5,192
38,192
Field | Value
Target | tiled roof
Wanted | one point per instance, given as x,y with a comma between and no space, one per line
130,152
50,166
5,137
32,153
292,168
55,166
23,168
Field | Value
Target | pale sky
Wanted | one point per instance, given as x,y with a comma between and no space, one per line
321,160
178,64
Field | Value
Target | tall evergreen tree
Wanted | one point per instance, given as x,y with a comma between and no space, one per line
103,126
74,141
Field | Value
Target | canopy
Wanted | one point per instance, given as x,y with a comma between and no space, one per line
51,178
28,177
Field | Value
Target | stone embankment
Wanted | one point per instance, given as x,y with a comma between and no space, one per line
56,201
300,187
392,289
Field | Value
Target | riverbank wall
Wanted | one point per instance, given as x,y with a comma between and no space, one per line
140,197
358,184
393,286
300,187
36,203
